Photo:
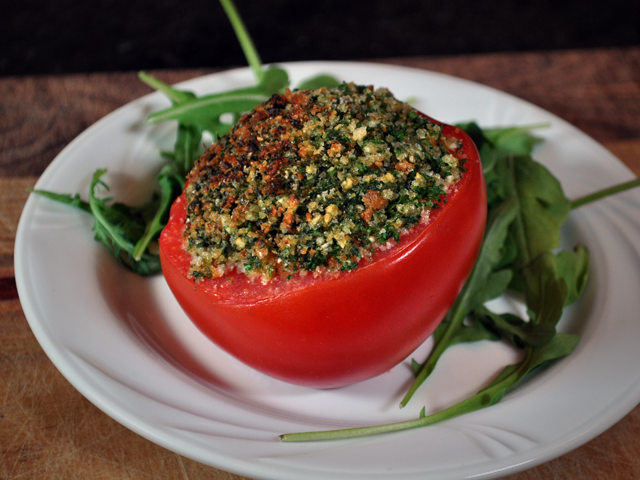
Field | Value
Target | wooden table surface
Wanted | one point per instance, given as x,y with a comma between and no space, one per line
49,431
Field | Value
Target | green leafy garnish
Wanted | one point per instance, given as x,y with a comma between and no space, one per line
117,226
560,346
487,280
206,111
318,81
526,209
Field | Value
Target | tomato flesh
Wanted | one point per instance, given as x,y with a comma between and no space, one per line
340,329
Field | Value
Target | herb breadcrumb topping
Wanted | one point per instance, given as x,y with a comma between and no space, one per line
315,181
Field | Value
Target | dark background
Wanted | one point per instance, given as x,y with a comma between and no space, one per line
62,36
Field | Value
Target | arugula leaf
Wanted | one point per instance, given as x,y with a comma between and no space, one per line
205,111
545,291
66,198
530,216
543,207
171,186
494,143
186,149
318,81
573,267
484,283
513,328
189,136
514,140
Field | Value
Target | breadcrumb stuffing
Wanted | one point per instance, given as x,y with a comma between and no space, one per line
315,181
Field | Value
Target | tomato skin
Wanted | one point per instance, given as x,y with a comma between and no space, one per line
354,326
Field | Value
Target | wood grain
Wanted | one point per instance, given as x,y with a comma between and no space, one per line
49,431
597,91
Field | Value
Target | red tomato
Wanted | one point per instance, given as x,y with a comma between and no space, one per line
334,331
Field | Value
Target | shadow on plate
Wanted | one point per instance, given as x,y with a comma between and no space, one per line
132,300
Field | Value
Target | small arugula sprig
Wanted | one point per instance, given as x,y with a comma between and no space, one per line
125,230
118,226
526,209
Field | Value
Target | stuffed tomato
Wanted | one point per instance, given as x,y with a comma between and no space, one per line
325,237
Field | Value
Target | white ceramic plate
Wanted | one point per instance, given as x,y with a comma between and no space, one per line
126,345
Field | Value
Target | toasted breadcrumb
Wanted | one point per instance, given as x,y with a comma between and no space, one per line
315,181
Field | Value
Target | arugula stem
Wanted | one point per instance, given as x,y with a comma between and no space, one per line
100,219
519,228
453,411
483,284
159,85
579,202
482,399
434,356
356,432
224,102
152,227
249,49
73,200
558,347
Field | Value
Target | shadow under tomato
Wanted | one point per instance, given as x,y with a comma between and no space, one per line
133,301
